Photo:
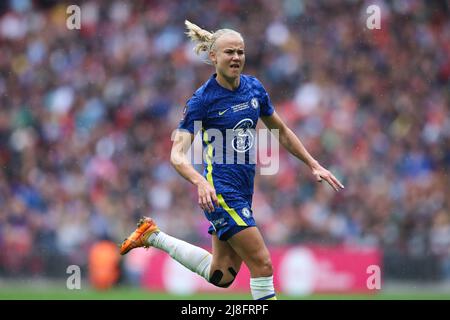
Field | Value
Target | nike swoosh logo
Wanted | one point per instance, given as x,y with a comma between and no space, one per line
222,112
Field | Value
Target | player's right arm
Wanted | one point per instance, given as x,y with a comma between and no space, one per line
178,159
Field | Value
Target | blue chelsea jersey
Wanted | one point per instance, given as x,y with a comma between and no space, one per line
233,115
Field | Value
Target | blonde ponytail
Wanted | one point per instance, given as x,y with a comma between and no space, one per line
204,39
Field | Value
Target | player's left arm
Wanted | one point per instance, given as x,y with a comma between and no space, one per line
292,143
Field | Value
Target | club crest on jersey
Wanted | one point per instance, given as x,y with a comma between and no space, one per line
254,103
246,212
243,137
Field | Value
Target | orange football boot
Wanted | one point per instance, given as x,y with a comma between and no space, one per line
145,227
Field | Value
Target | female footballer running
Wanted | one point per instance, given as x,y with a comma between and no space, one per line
228,103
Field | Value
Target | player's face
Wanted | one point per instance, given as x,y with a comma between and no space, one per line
229,56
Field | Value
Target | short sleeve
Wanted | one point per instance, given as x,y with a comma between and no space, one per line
267,108
193,112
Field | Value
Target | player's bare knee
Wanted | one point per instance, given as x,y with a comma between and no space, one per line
225,283
267,269
263,268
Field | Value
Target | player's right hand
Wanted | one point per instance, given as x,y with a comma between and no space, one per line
207,197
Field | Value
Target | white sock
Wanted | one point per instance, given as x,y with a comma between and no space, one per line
192,257
262,288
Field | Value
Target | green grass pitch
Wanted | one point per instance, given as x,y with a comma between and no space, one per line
23,292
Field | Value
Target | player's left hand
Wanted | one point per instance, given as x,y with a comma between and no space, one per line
323,174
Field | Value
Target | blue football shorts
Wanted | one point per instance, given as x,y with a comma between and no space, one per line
230,217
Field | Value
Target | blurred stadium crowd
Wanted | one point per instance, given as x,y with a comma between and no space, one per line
86,118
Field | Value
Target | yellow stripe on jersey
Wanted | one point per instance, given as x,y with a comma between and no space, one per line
209,155
209,169
231,211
